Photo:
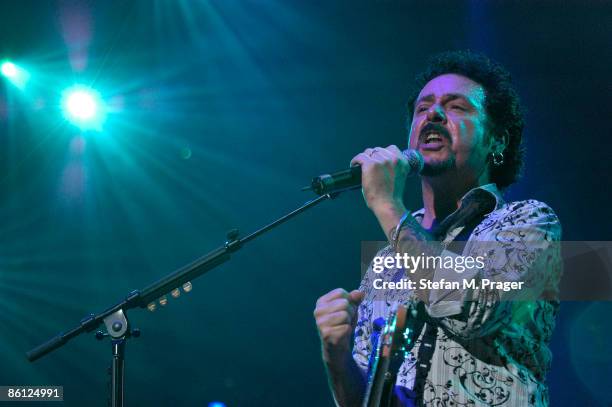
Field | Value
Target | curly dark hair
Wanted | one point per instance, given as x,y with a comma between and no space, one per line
502,105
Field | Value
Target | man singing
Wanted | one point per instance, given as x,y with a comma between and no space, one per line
475,347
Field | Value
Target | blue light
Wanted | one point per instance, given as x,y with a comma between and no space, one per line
216,404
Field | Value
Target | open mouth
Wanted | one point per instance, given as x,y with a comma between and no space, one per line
432,140
433,137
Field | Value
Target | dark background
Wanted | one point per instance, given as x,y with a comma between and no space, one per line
219,112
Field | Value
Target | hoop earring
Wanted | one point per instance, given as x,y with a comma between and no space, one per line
498,158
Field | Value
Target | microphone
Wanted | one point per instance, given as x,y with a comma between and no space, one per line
351,178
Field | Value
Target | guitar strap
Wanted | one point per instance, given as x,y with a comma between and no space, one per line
461,224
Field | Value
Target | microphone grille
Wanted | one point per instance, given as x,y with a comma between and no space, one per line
415,161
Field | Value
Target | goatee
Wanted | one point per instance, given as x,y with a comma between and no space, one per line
431,169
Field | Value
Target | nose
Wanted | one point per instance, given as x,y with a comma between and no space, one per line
435,114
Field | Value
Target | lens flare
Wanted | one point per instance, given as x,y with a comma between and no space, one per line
9,69
83,107
14,73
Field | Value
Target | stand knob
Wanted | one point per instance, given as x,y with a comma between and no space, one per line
232,234
100,335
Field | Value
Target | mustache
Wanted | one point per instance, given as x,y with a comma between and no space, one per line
434,127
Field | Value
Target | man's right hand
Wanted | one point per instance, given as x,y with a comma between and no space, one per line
336,316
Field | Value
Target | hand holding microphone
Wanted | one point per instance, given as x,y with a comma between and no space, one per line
384,172
373,162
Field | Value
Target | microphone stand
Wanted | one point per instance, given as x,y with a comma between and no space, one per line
115,318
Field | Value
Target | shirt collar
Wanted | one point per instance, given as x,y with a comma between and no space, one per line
493,193
492,190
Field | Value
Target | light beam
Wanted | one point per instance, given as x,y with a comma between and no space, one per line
83,107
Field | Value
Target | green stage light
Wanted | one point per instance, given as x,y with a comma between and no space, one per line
15,74
83,107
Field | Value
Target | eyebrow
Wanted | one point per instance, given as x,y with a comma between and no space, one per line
446,98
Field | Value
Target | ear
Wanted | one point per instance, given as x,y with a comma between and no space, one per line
499,142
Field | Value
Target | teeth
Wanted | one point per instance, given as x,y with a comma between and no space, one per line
432,136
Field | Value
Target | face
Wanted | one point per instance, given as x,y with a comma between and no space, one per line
449,126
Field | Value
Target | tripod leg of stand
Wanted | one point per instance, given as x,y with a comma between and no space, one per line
117,374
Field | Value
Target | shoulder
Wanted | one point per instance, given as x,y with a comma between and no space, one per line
527,215
529,207
530,211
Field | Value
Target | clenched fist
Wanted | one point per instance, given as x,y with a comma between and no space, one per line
336,316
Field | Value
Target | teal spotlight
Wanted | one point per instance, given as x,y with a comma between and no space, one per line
83,107
14,73
9,69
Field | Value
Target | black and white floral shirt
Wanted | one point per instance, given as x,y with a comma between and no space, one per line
478,349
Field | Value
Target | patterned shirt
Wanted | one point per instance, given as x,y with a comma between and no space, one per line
476,347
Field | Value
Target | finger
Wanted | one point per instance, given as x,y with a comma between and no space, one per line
395,150
373,155
367,153
333,294
399,154
361,159
356,297
385,155
340,304
335,318
375,152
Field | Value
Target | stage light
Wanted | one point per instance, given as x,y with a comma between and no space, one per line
15,74
83,107
9,69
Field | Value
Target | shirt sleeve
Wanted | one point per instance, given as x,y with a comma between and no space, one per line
371,313
520,247
362,348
